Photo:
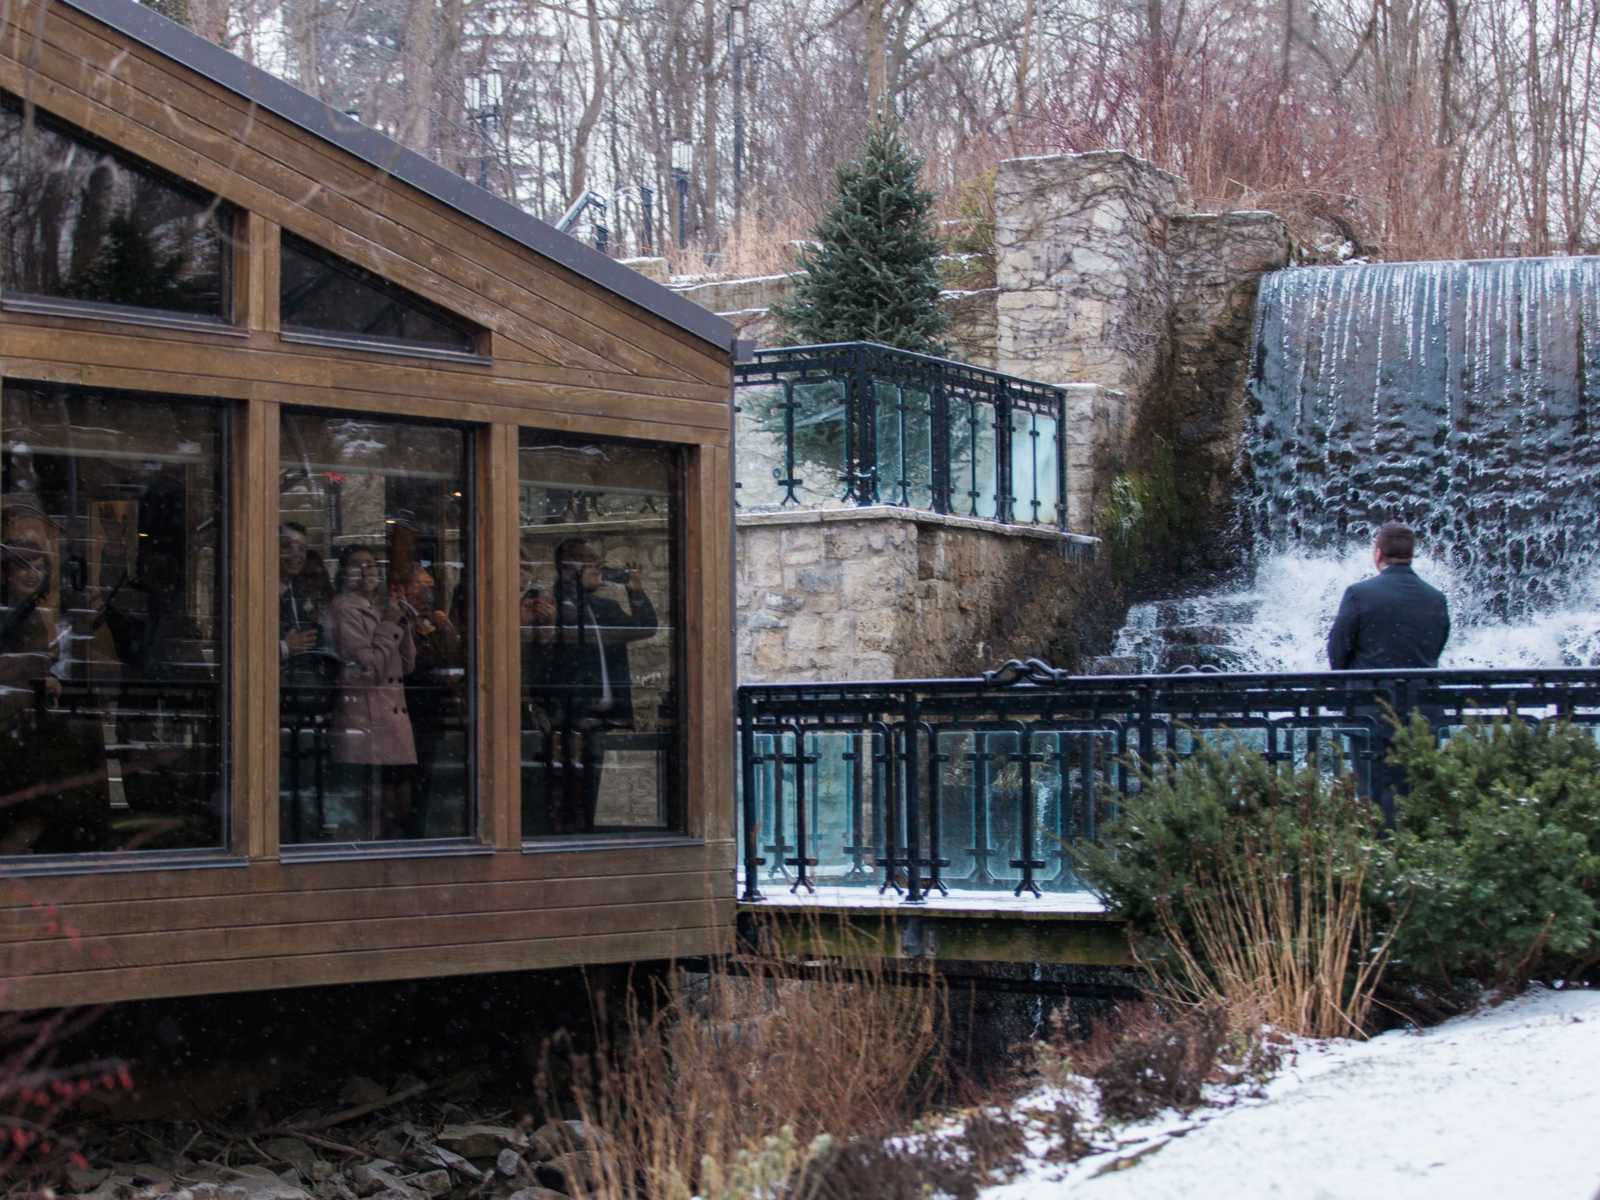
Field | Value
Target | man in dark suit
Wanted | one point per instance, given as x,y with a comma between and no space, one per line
587,683
1392,621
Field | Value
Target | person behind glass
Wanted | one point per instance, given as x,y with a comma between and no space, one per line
53,795
301,602
431,686
371,635
588,682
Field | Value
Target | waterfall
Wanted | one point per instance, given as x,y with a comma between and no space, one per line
1458,397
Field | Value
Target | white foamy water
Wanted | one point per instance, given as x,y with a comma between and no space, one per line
1281,622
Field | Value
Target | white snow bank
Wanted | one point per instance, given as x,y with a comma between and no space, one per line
1503,1103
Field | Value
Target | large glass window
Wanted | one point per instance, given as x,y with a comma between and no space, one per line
113,626
374,630
600,643
322,294
80,221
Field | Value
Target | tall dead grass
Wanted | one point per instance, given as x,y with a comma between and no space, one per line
719,1086
1279,926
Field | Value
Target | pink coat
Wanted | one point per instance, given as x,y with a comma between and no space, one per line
370,723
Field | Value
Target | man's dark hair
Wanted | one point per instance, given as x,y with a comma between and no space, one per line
296,526
570,548
1396,542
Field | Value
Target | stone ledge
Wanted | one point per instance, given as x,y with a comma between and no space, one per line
892,512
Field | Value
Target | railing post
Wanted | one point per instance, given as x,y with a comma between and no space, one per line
788,481
1004,509
1029,861
802,862
1061,460
939,436
865,405
747,764
980,848
910,771
935,862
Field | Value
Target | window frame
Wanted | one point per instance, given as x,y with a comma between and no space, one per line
478,801
226,853
228,218
308,335
677,829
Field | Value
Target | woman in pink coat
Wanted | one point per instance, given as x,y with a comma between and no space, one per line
371,636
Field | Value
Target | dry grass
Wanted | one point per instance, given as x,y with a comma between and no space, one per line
1281,930
721,1085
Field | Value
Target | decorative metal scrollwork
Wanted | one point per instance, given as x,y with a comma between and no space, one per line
1034,672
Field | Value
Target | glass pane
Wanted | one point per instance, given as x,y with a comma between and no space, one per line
600,740
322,293
763,436
82,221
1048,468
973,478
374,630
1026,500
113,630
887,420
915,415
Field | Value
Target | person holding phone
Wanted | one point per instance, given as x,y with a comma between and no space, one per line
587,682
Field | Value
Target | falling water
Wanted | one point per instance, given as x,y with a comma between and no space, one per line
1459,397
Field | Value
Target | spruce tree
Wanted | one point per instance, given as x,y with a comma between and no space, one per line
874,276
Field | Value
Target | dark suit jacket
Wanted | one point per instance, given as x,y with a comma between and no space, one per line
571,672
1393,620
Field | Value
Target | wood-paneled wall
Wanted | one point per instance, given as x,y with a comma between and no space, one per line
565,354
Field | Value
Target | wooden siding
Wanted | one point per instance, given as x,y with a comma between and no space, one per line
566,355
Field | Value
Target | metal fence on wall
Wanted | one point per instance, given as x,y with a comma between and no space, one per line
857,423
917,786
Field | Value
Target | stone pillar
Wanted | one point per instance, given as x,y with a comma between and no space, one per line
1082,268
1086,293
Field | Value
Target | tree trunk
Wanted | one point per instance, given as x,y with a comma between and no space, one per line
877,38
709,176
416,122
584,133
305,19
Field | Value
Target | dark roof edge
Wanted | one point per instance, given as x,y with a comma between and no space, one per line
181,45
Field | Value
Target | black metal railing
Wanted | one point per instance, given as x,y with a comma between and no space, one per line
856,423
919,785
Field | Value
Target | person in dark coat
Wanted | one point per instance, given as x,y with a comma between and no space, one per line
1393,621
582,639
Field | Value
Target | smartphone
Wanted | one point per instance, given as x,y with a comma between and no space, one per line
614,575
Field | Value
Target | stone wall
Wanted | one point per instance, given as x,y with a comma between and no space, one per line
1217,260
888,593
1081,264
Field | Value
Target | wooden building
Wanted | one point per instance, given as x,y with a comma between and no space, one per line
366,602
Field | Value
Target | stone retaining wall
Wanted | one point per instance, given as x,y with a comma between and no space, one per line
889,593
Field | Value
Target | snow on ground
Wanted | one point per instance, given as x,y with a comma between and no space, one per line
1502,1103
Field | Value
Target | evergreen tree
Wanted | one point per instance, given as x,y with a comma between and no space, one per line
875,275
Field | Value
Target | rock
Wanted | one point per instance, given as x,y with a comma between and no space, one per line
478,1141
555,1138
580,1169
150,1175
508,1163
266,1186
454,1161
322,1169
86,1179
292,1151
358,1089
391,1142
538,1193
333,1188
433,1183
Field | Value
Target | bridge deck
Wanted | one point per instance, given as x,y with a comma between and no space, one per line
1069,928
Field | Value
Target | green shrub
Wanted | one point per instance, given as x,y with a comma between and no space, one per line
1497,852
1248,888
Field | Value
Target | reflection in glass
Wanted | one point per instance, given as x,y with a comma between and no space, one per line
81,221
321,293
974,478
600,742
113,630
374,612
